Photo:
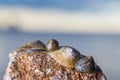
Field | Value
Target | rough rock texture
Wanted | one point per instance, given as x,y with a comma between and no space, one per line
39,65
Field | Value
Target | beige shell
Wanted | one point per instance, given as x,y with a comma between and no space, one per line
33,45
66,56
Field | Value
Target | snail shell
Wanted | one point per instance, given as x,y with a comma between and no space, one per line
33,45
86,64
52,45
66,56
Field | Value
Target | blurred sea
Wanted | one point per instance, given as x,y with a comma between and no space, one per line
104,48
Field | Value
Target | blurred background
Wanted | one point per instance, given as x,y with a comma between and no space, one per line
91,26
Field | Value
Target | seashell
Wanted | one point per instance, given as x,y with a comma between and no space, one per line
66,56
32,50
52,45
33,45
86,64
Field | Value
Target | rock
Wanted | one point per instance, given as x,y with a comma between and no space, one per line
36,64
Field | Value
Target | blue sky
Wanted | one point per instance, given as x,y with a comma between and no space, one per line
77,5
65,5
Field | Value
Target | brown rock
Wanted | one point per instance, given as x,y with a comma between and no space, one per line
39,65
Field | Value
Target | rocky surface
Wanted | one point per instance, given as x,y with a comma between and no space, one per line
33,63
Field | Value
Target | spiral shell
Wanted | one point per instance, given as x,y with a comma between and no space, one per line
66,56
85,64
52,45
